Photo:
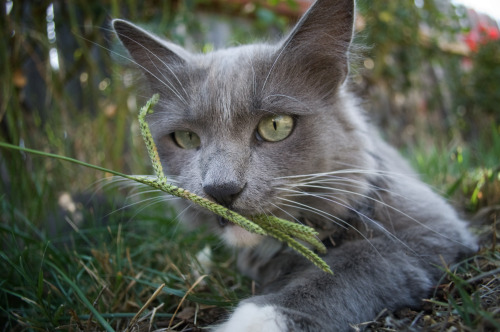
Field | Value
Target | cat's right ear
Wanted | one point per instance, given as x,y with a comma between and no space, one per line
153,55
317,49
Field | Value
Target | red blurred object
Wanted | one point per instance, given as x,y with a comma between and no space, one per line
483,30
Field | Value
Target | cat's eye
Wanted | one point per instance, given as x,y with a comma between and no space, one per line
274,128
186,139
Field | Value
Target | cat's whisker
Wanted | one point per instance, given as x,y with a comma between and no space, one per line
364,217
254,78
134,195
401,175
117,182
341,180
124,183
348,171
291,98
151,200
272,67
161,199
177,218
301,192
298,193
170,85
336,220
329,186
328,195
287,213
171,88
392,208
350,183
174,89
105,182
297,205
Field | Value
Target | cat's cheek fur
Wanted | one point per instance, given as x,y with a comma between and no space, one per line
236,236
251,318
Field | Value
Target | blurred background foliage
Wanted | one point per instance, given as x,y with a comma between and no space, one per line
428,73
69,89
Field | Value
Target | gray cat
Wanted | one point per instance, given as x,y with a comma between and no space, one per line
272,129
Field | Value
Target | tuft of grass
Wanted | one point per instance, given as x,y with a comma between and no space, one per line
99,277
467,173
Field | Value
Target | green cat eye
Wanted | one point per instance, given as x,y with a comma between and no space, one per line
186,139
274,128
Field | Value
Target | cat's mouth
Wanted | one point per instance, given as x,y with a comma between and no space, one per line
236,236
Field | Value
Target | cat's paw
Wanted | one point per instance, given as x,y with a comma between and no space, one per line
252,318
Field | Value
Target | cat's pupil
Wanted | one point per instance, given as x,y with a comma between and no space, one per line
275,128
186,139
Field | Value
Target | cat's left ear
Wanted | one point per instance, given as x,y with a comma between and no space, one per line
319,44
153,55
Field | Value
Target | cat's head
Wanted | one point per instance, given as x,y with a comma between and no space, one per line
242,126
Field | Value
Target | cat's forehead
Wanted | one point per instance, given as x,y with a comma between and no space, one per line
232,57
237,86
231,81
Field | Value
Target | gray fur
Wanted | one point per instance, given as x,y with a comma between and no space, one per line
388,231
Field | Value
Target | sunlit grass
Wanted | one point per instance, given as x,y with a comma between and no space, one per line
468,173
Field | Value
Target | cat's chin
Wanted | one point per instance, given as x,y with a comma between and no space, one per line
236,236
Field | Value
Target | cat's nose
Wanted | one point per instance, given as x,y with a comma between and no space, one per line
223,193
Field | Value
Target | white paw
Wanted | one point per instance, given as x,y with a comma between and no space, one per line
251,318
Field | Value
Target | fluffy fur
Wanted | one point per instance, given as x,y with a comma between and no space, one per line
386,231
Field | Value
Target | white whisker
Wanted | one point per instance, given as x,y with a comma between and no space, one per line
392,208
384,230
291,98
152,200
173,88
287,213
346,171
275,62
136,63
304,207
344,224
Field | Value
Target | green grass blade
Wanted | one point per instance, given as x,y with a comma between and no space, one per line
82,297
64,158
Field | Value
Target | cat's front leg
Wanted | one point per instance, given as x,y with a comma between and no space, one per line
250,317
369,276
